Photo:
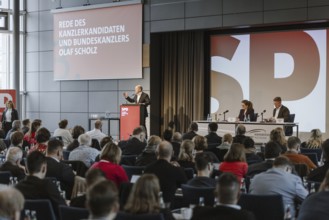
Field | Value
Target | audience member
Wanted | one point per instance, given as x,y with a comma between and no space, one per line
16,126
97,133
144,198
148,155
103,200
26,124
9,115
92,176
16,140
42,137
185,157
109,164
277,135
240,134
35,186
84,152
13,163
315,140
204,169
76,132
176,142
235,161
3,145
192,132
272,151
170,176
62,132
12,203
201,146
227,142
250,151
135,145
55,168
168,133
228,192
294,155
319,173
280,180
29,137
212,136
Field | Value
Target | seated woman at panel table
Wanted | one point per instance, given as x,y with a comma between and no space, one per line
247,112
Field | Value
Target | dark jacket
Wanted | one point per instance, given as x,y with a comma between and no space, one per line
259,167
133,147
14,115
14,169
250,113
145,158
221,212
318,174
189,135
213,138
144,99
283,113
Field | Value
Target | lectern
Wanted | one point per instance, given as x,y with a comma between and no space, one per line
131,116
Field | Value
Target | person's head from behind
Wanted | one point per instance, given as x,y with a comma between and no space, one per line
167,135
16,138
200,143
272,150
278,135
43,135
325,150
144,196
194,127
153,142
277,102
139,134
77,131
35,126
93,176
164,150
84,139
283,163
203,165
241,130
293,143
37,164
14,155
315,139
111,152
235,153
186,151
98,124
12,203
249,143
105,140
177,137
228,138
103,200
138,89
63,123
212,127
55,149
228,189
26,123
16,125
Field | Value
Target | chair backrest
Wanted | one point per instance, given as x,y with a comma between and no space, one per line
269,207
318,151
71,213
191,195
255,117
66,154
5,177
292,118
189,172
78,166
133,170
301,169
313,157
43,209
129,160
127,216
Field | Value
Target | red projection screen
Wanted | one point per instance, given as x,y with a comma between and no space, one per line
98,42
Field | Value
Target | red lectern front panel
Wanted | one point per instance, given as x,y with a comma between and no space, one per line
129,120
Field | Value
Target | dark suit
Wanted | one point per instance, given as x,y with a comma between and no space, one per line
189,135
133,147
35,188
63,173
213,138
257,168
283,113
221,212
170,177
144,99
14,170
319,173
250,113
315,207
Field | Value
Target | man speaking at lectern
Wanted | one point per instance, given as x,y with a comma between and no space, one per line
141,98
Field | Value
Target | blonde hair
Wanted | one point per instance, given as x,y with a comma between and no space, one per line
278,136
186,150
12,201
315,141
235,153
200,143
111,152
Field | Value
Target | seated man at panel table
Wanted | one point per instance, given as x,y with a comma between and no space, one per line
204,167
279,180
280,111
55,168
35,186
228,191
319,173
192,132
212,137
135,145
97,133
294,155
170,176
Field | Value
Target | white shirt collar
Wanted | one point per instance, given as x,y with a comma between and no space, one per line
234,206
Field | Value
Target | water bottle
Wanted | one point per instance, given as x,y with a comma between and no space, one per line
248,118
161,201
27,214
208,117
287,214
201,201
33,215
